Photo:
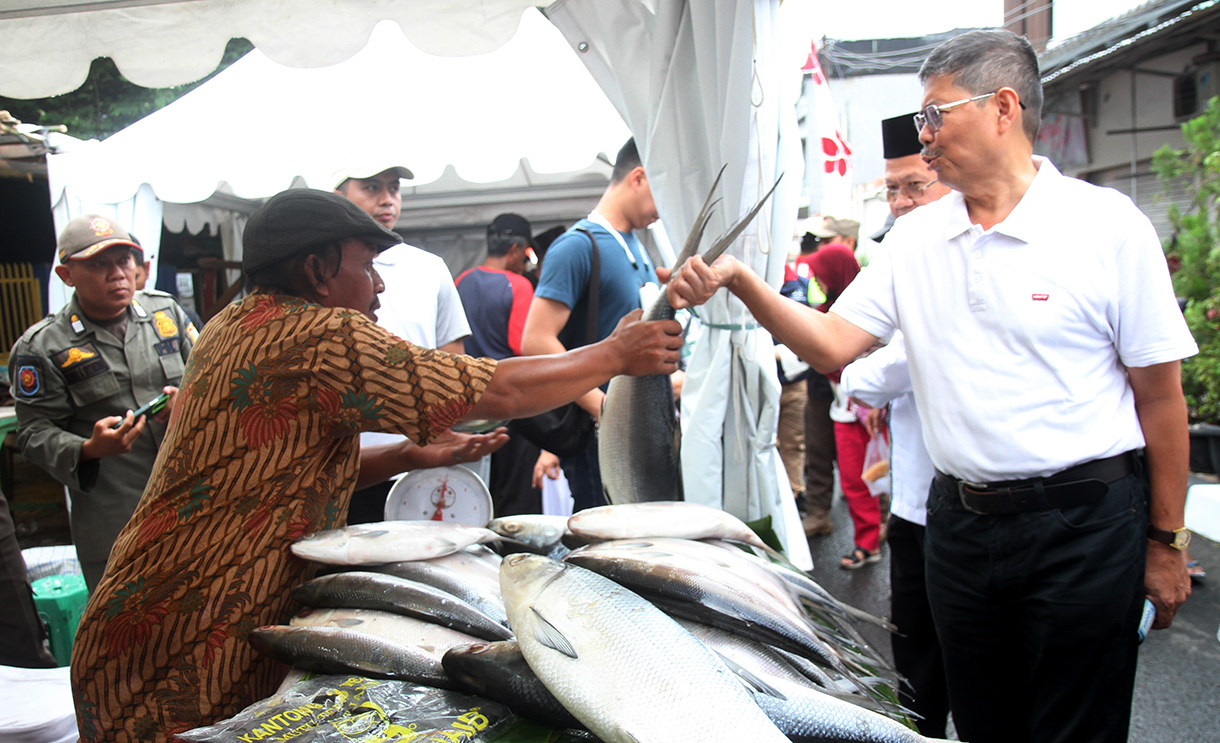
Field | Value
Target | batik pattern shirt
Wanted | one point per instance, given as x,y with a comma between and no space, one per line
261,451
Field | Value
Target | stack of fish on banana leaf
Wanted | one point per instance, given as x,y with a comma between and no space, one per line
674,621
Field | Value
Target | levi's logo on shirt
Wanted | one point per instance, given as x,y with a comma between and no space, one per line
1040,297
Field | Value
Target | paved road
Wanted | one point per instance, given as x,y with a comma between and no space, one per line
1177,687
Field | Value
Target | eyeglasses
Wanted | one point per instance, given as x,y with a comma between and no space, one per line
910,190
931,116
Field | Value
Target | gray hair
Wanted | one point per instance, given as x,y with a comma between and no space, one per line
984,61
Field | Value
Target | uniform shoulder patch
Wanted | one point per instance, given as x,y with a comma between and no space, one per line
28,376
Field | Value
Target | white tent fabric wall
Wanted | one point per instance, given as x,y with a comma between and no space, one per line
701,84
259,127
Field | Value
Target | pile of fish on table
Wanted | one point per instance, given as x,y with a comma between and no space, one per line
667,621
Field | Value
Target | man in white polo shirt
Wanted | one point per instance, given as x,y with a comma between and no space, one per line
1044,345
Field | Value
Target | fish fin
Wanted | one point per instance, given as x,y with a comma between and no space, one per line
372,534
550,636
701,219
728,237
349,622
750,679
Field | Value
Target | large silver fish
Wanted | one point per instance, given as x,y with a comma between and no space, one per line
337,650
678,519
389,541
638,440
621,666
703,590
538,530
365,590
498,671
808,715
474,590
429,637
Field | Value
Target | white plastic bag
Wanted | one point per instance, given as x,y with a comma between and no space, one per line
876,474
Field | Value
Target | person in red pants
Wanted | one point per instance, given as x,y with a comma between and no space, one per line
851,440
834,266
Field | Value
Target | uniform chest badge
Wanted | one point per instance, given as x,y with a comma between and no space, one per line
75,356
79,363
191,332
166,327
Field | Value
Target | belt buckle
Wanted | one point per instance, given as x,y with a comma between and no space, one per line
976,488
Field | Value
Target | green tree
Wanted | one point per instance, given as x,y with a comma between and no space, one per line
107,101
1194,254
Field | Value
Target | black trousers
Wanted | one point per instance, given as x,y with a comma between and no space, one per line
22,636
584,477
512,475
368,504
916,648
1037,615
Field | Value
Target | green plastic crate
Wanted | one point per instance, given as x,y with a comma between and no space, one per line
60,600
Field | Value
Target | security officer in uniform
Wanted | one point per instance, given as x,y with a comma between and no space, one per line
78,374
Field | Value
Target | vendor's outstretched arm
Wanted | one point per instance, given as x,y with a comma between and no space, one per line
380,462
528,385
825,340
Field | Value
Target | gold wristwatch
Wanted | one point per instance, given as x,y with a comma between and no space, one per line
1179,539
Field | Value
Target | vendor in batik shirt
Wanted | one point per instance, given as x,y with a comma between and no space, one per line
262,450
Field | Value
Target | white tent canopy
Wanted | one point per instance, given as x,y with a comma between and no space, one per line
260,127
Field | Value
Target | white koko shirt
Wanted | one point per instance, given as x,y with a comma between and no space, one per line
1018,336
881,378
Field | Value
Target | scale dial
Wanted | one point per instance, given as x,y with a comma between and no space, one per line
440,494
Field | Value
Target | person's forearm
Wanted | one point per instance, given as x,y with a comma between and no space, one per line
528,385
591,402
814,336
1167,444
380,462
1161,409
540,344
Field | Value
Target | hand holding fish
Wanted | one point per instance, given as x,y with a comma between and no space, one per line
694,282
644,348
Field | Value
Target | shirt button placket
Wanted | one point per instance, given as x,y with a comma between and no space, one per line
976,270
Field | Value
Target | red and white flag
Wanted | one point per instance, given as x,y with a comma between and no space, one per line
834,152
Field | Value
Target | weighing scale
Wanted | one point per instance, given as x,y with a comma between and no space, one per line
440,494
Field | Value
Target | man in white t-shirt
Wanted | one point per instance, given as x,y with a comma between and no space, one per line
1044,345
421,305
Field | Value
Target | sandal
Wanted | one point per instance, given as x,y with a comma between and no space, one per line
858,558
1196,571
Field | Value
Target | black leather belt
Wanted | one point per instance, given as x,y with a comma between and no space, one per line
1075,486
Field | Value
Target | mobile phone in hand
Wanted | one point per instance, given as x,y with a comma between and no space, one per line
152,407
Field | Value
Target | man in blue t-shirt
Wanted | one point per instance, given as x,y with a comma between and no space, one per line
558,317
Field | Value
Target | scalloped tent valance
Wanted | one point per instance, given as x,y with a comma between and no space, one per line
49,44
260,126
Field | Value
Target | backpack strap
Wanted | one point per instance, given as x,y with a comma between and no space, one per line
594,287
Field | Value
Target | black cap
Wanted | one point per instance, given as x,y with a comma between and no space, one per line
899,137
510,225
301,218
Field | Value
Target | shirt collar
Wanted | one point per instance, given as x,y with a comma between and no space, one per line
1027,219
